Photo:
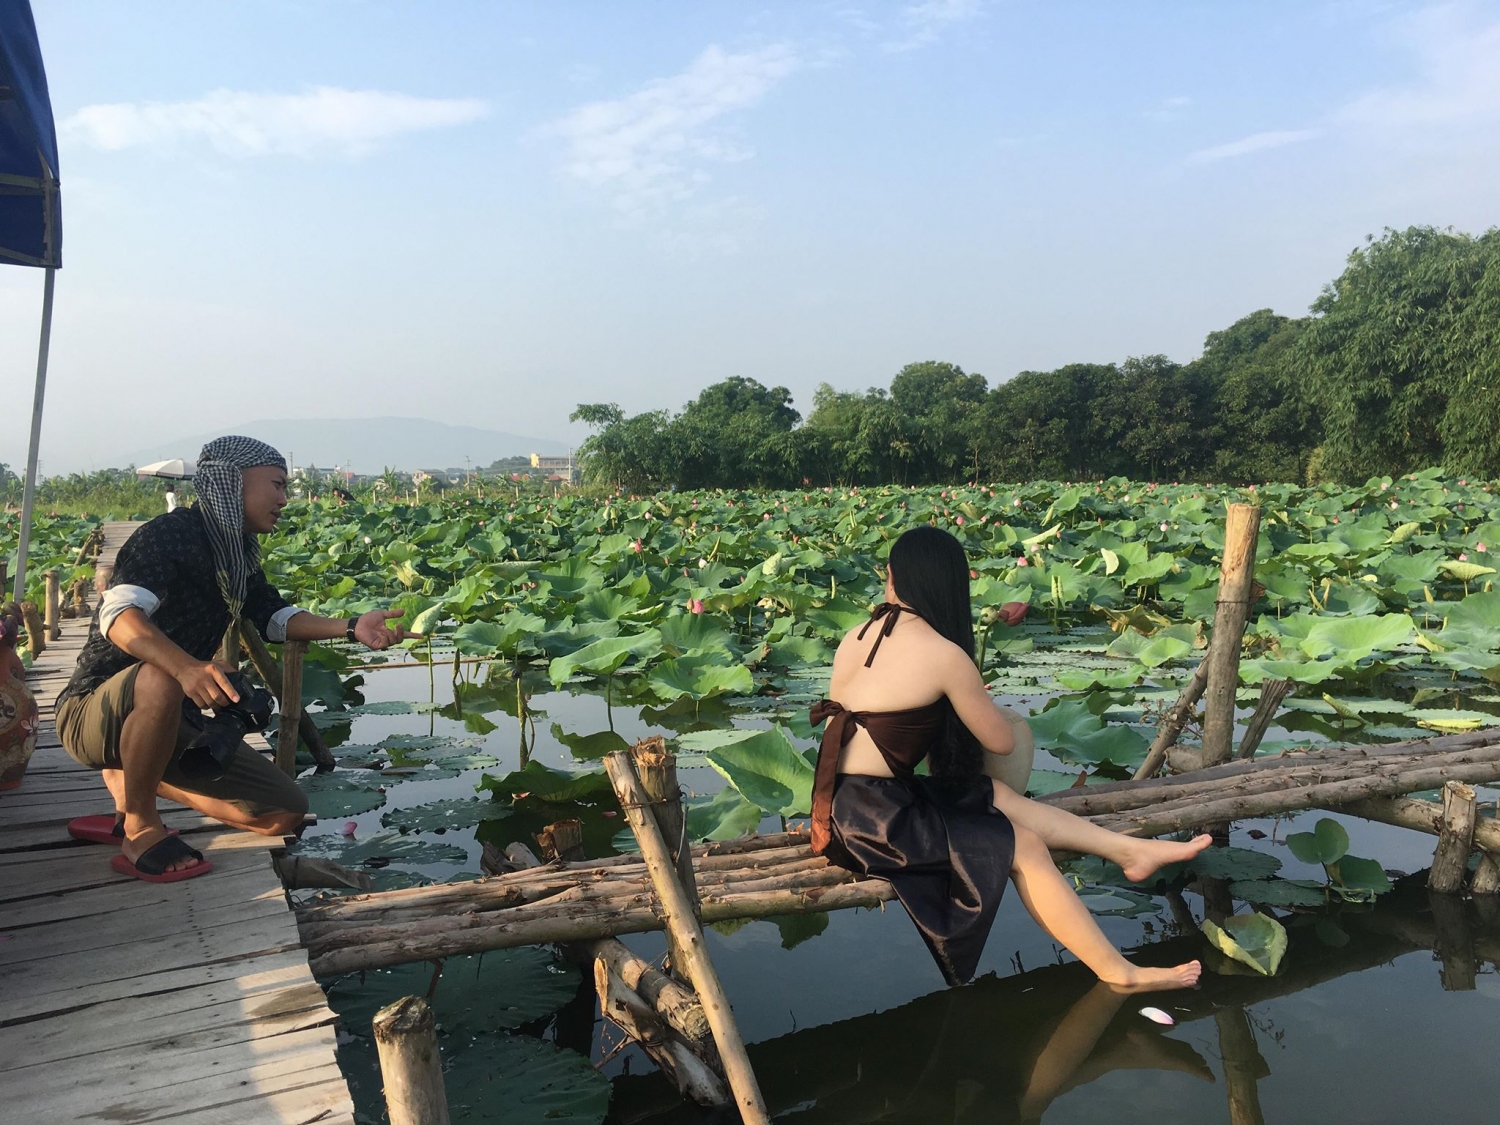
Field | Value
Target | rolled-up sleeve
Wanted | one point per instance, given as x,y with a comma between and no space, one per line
120,597
265,606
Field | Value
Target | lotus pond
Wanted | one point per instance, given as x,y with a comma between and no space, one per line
565,629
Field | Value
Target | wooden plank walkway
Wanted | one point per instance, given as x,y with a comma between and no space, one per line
123,1001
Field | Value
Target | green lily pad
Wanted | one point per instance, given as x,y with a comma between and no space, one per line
387,847
490,992
605,656
342,792
699,677
1234,864
1280,892
1326,844
547,784
1251,939
767,769
1364,877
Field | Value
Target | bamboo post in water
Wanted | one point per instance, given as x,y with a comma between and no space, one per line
406,1039
291,706
36,632
1450,862
682,923
1236,574
1486,882
54,605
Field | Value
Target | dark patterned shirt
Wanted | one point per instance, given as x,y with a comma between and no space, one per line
170,556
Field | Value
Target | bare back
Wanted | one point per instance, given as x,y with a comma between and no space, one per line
915,667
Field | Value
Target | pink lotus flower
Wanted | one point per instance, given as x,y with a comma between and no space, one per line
1463,557
1463,483
960,521
1023,561
1016,503
1384,486
1480,547
695,606
349,828
636,546
1164,525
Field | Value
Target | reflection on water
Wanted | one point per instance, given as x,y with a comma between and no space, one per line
1357,1026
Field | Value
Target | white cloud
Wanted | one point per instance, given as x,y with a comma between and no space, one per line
1168,109
1457,63
1256,142
239,123
921,25
653,146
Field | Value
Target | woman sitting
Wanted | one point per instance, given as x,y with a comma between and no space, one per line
949,842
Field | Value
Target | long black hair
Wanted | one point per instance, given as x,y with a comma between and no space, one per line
930,573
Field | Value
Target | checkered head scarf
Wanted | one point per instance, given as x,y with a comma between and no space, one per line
219,481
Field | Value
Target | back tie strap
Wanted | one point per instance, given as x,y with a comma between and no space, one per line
891,613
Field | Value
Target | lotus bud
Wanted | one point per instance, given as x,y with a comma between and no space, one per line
695,606
349,828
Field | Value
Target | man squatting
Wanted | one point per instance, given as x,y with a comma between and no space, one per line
147,670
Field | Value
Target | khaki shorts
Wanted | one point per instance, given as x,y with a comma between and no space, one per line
89,728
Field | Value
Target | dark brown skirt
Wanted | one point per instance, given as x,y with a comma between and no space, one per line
941,844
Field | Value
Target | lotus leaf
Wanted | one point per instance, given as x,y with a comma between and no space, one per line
699,677
377,850
1234,864
1360,878
1252,939
767,769
439,816
547,784
1326,844
342,792
605,656
1280,892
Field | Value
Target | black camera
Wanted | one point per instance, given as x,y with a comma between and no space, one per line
209,754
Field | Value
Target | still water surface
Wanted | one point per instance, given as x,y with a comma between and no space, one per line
1365,1022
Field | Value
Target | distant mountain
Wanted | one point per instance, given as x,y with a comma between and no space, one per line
365,445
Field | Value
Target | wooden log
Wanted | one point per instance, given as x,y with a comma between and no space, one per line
306,872
1272,692
269,669
634,1016
1236,574
1450,862
679,918
1424,816
36,631
410,1068
1171,726
657,770
1486,882
53,606
674,1003
291,706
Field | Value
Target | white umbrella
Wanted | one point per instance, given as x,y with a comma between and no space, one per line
174,469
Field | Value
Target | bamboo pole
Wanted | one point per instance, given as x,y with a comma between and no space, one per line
679,918
1236,574
291,706
406,1039
1450,862
269,669
1171,726
53,606
657,770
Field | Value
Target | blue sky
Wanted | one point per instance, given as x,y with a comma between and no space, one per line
487,213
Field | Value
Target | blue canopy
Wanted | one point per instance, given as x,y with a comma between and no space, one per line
30,204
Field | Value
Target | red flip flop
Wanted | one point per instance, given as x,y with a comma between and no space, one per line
151,866
102,829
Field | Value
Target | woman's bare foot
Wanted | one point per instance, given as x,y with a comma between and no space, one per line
1143,858
1135,978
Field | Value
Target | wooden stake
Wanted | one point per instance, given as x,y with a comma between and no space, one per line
1244,1066
36,632
269,670
681,922
291,707
562,840
1236,574
1272,692
406,1038
677,1006
1486,882
1171,726
1453,943
1450,863
53,606
657,769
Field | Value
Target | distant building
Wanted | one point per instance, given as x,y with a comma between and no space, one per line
555,468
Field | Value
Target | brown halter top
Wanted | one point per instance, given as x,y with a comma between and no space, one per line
902,737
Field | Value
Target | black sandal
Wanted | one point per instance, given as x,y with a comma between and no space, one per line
152,864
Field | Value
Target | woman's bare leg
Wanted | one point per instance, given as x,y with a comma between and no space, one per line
1051,900
1066,832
